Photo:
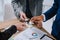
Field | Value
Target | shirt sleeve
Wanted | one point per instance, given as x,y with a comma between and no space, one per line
8,33
17,7
44,17
52,11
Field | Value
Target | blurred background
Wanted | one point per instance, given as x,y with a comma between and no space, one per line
7,13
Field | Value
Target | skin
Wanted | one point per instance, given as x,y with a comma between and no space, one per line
20,26
37,20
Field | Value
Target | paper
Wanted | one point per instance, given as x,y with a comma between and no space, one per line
31,34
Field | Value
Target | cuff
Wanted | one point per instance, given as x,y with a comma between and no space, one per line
44,17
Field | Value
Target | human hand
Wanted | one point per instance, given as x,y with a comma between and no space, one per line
22,16
20,26
37,20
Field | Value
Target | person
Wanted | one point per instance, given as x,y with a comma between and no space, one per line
5,35
55,10
27,8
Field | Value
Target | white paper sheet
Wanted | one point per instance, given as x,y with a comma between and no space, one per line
31,34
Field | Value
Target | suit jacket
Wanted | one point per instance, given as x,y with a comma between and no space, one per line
35,7
55,10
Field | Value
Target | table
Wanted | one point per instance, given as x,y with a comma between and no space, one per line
5,24
13,21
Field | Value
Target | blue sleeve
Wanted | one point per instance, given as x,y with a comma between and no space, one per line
52,11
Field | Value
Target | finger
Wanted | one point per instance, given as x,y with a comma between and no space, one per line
32,19
25,17
35,19
36,22
24,26
40,24
21,18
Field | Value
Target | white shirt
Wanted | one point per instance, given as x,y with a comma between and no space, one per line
44,17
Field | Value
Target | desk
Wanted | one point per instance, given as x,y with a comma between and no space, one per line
13,21
7,23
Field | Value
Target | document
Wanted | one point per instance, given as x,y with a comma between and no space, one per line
32,33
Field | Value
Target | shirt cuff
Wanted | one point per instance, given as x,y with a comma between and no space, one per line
44,17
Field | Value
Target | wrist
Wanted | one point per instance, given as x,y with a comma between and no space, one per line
16,26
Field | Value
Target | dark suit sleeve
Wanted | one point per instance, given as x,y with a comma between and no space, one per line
8,33
52,11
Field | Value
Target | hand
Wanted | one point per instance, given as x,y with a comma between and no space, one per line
37,20
22,16
20,26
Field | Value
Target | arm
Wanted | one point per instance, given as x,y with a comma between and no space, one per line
52,11
8,33
17,8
